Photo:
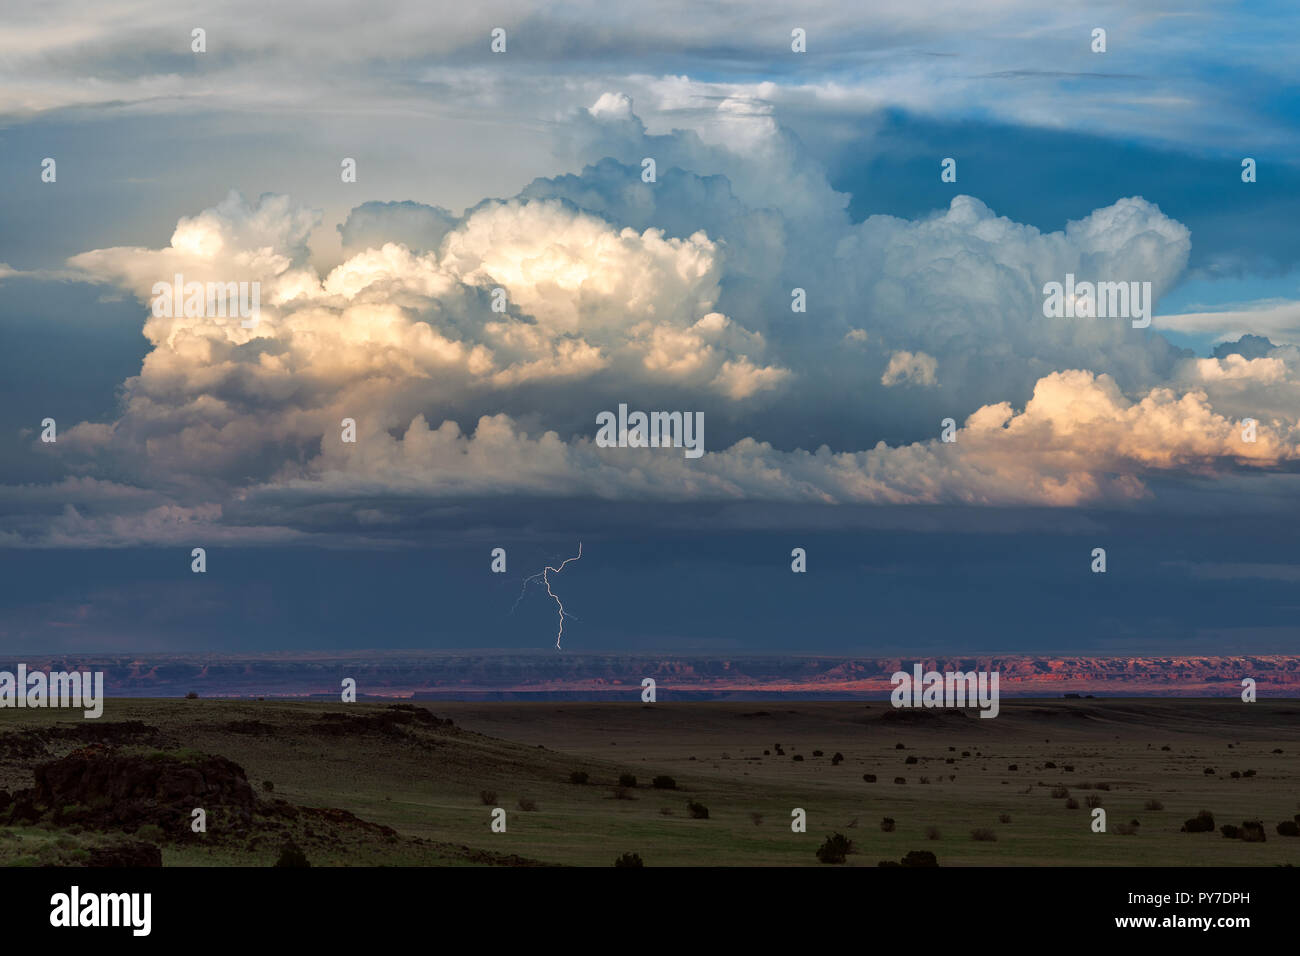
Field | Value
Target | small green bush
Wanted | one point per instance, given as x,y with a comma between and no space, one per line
1252,831
291,855
836,849
920,858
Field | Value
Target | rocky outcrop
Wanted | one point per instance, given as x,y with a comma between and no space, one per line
112,791
130,854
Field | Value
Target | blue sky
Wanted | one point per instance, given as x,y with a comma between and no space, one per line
775,170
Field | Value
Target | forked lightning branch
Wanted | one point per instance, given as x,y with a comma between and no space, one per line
544,575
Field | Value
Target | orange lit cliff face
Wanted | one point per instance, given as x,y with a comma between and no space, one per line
408,674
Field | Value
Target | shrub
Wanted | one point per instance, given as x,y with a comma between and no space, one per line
627,780
900,780
757,818
1249,773
1126,829
1060,793
1208,771
965,753
949,760
1093,801
664,783
910,760
1166,747
984,835
527,804
291,855
887,824
1049,765
1153,805
1069,768
817,753
1252,831
580,777
1072,804
1229,831
489,797
836,759
629,859
192,695
1203,822
869,777
1235,775
1288,828
899,747
268,785
932,833
798,757
1102,786
1004,818
623,793
698,810
1013,766
836,848
920,858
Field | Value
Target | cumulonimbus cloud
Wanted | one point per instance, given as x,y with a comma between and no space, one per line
474,352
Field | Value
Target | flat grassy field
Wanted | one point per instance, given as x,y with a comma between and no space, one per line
1011,776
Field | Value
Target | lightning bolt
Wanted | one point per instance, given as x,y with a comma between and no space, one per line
545,574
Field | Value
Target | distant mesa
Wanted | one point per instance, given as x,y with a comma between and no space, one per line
507,675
